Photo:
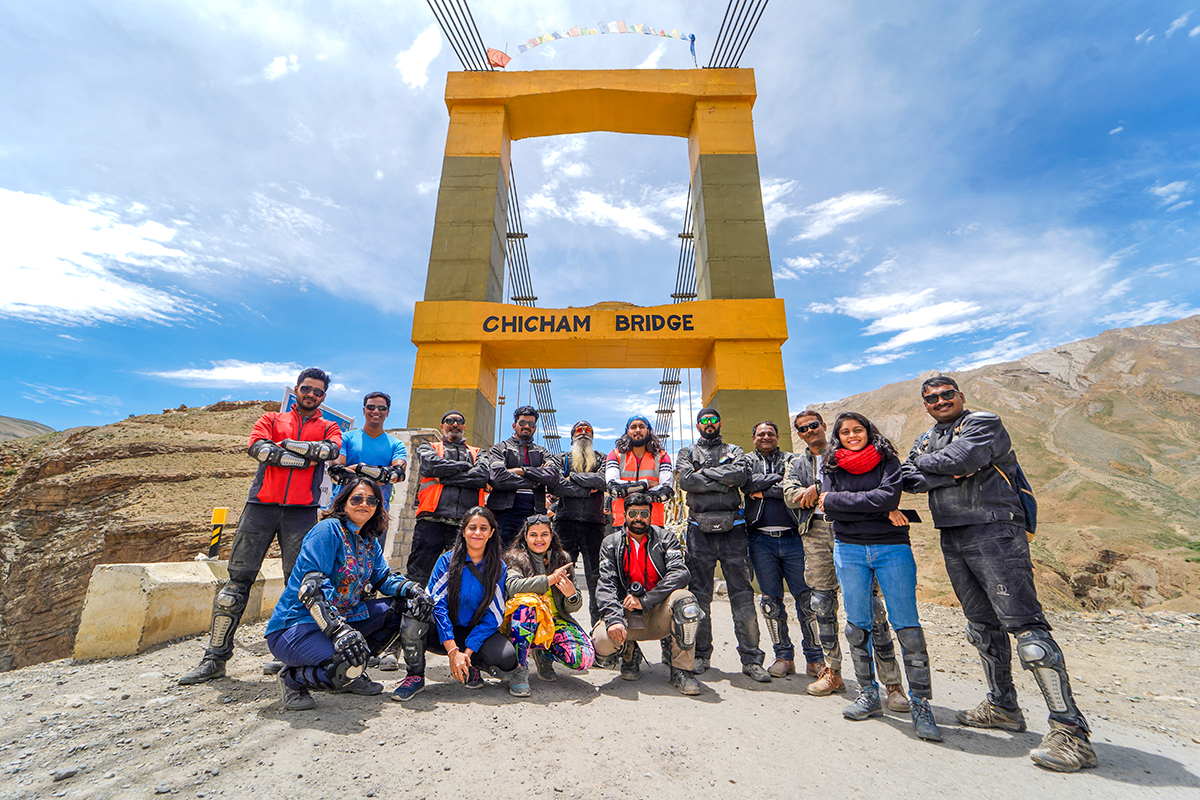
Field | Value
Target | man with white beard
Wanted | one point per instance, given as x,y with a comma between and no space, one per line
579,520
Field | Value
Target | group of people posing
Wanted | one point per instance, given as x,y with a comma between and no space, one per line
490,578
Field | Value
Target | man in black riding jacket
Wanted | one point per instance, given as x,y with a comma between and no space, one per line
967,465
712,473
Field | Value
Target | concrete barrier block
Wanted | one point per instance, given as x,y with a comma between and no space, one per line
131,607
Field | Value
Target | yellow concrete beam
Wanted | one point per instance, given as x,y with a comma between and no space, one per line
555,102
455,365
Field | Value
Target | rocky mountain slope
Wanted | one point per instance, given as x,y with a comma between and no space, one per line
142,489
13,428
1108,431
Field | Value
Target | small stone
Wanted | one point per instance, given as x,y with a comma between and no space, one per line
124,697
162,788
63,774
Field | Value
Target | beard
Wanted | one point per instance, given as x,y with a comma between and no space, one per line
583,456
638,526
639,441
713,435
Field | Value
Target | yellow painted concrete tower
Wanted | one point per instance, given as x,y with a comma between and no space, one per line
464,332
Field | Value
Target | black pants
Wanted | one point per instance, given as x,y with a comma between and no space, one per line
704,550
430,540
584,537
509,522
257,528
496,651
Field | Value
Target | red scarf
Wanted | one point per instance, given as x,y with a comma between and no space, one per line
864,460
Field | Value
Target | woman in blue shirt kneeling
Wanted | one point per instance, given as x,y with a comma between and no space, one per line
860,494
323,629
467,587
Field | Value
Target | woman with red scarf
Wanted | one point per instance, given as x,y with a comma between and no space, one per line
860,495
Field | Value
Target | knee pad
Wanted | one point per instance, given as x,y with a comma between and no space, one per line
912,640
227,613
686,615
823,604
916,661
1037,649
339,673
773,613
1040,654
856,636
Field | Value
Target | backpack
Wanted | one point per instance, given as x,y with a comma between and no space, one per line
1019,483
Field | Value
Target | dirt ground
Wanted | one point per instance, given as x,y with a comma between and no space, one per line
124,729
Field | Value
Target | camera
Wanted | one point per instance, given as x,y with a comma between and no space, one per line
637,590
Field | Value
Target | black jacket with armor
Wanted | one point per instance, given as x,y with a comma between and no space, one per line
801,474
712,472
541,472
613,583
767,472
461,476
576,499
977,446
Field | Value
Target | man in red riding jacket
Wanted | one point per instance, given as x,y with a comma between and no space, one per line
291,448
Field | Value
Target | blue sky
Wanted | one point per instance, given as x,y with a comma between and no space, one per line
196,199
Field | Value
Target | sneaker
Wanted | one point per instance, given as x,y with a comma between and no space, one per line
409,688
700,666
756,672
897,700
814,669
388,662
827,683
474,679
272,667
923,721
294,699
1065,749
631,668
518,681
986,715
545,666
782,668
208,669
685,681
866,705
361,685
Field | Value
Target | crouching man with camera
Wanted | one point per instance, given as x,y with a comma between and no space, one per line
643,596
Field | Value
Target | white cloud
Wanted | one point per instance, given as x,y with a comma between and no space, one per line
42,393
280,66
796,266
1010,348
1118,289
1169,193
427,186
1148,314
870,361
1178,23
828,215
1178,206
1117,129
774,209
284,217
378,174
1144,36
1194,32
76,263
232,372
652,60
414,62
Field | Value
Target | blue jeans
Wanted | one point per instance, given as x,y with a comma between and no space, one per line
305,645
779,559
895,569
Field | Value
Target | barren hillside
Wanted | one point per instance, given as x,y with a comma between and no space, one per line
1107,430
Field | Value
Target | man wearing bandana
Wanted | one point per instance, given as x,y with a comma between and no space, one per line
639,457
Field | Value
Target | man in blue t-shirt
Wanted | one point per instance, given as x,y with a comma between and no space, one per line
367,449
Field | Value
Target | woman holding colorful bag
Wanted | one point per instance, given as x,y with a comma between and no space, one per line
541,593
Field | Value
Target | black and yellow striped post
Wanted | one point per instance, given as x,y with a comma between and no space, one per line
218,524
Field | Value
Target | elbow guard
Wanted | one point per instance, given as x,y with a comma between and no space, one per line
324,450
273,455
314,600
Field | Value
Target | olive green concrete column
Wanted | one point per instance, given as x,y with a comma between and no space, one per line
733,261
470,231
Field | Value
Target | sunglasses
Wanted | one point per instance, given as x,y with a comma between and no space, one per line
641,513
358,499
537,518
812,426
523,424
454,421
709,420
312,390
583,431
930,399
373,407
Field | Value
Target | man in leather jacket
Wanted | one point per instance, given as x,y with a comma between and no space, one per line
712,472
777,553
520,472
967,465
579,520
643,595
